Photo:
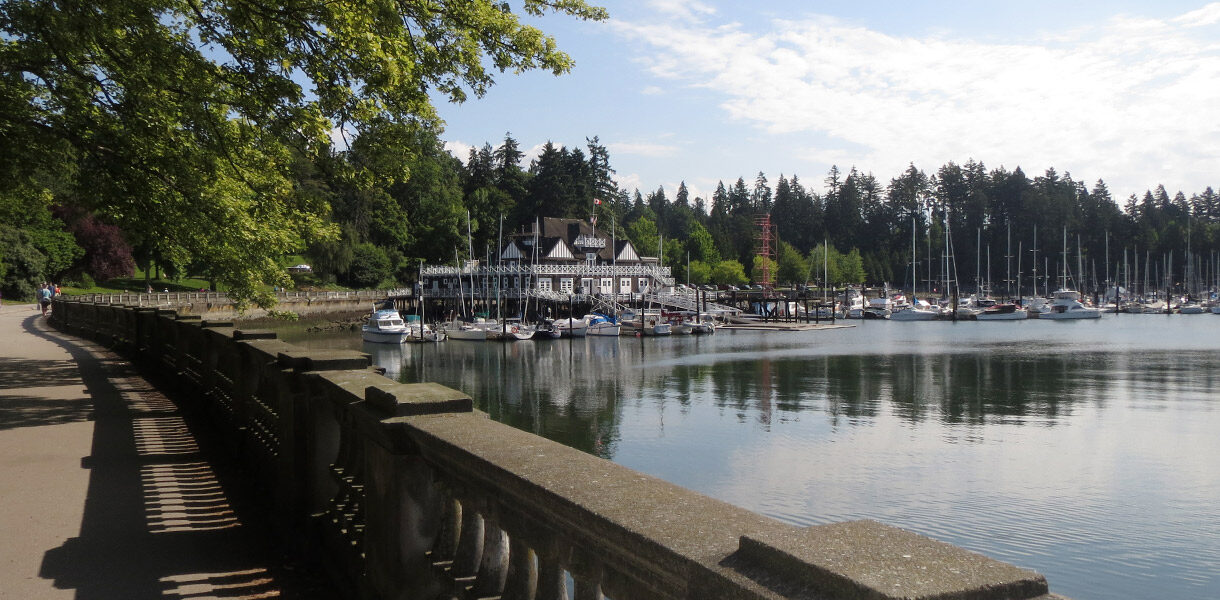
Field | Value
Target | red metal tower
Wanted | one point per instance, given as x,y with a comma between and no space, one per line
766,248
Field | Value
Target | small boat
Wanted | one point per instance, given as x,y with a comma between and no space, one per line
878,308
385,326
465,330
600,325
1003,312
1066,305
510,330
418,331
547,330
572,326
1191,308
921,310
645,322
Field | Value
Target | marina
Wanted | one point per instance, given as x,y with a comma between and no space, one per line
1082,449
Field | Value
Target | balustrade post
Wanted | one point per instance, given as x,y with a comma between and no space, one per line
493,568
470,544
522,583
552,579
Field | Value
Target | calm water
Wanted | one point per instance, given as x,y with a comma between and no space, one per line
1085,450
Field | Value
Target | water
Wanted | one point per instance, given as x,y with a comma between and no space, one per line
1084,450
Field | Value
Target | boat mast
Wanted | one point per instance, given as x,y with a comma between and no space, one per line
1008,264
1035,251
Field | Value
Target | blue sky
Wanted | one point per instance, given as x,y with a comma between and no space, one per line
703,91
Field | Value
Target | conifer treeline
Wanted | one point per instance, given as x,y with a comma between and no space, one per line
867,222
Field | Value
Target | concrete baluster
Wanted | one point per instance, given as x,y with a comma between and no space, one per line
493,568
522,583
451,529
470,543
552,578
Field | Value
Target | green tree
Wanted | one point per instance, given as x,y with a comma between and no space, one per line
643,235
179,116
699,272
729,272
370,266
792,266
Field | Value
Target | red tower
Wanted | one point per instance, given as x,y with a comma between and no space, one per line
766,248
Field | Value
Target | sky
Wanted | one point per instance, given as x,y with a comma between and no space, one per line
705,91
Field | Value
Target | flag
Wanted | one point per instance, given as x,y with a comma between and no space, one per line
594,219
596,201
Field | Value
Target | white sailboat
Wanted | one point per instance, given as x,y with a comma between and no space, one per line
919,310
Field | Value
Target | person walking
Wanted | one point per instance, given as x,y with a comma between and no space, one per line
44,298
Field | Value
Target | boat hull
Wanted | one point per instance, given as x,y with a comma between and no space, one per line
384,337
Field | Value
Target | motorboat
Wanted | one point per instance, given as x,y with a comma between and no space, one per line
600,325
645,322
1002,312
853,304
878,308
920,310
1065,304
572,326
385,326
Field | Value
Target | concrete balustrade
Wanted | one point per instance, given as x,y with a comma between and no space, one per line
406,491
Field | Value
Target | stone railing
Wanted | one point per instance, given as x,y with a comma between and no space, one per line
218,304
405,491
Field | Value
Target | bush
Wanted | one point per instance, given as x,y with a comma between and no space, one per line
86,281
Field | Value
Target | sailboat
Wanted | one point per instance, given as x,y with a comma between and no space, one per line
920,310
470,329
1065,303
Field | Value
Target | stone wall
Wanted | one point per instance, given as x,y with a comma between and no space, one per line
406,491
218,305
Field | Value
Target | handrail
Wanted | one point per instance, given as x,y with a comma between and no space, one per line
406,491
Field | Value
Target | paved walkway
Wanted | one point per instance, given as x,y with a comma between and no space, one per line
105,492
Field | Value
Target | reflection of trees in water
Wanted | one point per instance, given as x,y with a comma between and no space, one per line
574,391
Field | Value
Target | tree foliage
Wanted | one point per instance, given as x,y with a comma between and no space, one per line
180,117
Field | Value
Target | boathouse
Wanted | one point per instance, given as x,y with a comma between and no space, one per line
554,259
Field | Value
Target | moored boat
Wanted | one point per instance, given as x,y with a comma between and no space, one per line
600,325
1002,312
1066,305
385,326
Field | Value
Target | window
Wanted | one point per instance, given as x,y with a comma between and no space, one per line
565,285
607,286
544,284
624,285
643,284
587,285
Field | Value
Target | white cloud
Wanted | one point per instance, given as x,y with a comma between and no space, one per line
461,150
652,90
1131,100
684,9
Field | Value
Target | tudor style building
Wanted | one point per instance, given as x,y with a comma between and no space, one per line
561,257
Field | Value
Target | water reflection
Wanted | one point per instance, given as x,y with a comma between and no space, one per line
1085,451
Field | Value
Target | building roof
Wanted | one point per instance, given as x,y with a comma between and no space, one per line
577,237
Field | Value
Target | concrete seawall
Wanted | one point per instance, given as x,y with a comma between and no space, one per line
213,305
406,491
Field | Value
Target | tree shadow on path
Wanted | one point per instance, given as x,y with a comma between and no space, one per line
161,517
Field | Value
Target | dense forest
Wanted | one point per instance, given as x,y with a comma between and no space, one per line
862,224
